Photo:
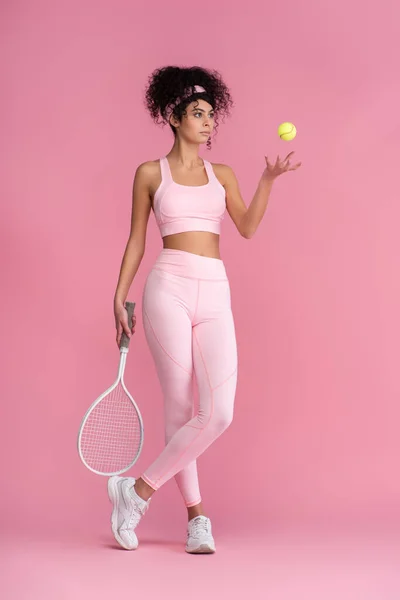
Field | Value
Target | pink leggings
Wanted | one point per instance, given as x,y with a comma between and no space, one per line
189,328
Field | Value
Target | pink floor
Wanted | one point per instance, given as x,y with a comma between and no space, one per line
280,564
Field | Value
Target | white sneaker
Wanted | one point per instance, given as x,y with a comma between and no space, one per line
199,536
128,509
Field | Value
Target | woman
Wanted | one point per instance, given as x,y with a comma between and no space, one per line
187,315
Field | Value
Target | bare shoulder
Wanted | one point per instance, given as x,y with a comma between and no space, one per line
148,168
149,172
223,172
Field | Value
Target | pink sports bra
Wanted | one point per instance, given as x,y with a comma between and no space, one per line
179,208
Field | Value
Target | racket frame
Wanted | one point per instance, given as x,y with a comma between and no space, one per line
124,349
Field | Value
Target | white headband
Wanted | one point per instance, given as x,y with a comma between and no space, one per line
197,90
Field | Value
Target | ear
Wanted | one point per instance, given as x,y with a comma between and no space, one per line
174,121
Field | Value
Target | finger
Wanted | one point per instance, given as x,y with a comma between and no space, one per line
295,167
126,328
290,154
269,165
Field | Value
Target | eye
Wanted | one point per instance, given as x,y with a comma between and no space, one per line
199,113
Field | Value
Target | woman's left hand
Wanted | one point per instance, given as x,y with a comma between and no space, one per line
272,171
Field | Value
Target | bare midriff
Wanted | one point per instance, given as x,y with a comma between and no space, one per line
203,243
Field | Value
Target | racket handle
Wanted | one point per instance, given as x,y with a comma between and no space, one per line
130,307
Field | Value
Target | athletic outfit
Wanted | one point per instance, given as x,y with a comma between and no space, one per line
189,327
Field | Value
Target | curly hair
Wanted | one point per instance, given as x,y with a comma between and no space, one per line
171,83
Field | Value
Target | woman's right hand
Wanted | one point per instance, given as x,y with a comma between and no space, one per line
121,321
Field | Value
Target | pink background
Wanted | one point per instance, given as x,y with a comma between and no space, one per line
315,293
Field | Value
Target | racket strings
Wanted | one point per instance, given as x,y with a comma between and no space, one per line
111,436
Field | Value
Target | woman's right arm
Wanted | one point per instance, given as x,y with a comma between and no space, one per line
135,247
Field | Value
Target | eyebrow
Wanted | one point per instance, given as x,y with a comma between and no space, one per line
201,109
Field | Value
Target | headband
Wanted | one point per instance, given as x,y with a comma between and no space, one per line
197,90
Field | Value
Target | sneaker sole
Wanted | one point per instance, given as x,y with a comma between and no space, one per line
113,495
203,549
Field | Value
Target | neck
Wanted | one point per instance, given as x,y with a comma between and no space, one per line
185,154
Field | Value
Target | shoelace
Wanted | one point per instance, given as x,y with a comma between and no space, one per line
198,527
137,513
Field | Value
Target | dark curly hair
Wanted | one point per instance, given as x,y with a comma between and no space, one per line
168,84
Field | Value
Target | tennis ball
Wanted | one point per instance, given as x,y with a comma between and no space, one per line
287,131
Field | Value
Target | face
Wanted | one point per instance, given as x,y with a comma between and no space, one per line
199,118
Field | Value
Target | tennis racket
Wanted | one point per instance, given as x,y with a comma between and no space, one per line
111,434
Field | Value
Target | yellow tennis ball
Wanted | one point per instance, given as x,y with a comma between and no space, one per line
287,131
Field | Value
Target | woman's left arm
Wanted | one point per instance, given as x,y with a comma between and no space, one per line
247,219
